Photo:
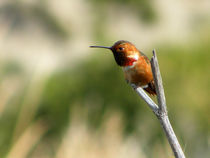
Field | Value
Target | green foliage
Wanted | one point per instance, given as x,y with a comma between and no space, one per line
95,86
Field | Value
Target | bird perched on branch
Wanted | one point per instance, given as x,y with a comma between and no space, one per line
135,64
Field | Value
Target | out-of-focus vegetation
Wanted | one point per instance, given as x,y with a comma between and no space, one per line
143,8
59,100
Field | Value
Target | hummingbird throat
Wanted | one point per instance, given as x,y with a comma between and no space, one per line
123,60
129,62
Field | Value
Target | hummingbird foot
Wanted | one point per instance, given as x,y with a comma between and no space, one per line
145,86
134,86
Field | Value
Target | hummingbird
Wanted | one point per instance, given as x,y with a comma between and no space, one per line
135,64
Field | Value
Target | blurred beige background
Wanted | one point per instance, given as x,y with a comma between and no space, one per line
58,98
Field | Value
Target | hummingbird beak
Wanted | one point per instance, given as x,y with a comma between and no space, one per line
100,47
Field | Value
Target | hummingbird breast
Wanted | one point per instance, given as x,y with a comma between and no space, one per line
139,73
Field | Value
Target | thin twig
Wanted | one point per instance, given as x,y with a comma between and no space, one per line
158,84
161,110
146,98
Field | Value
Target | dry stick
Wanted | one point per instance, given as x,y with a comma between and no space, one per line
161,110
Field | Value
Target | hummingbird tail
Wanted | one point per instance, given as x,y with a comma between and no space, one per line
151,88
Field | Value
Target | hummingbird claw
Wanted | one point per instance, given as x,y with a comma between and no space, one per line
134,86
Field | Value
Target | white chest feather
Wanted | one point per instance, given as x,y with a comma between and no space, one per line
127,68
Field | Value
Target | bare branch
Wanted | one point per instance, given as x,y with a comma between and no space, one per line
161,110
172,139
158,84
146,98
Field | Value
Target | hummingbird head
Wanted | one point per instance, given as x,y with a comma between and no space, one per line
125,53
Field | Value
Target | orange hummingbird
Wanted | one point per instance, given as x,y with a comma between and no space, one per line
136,65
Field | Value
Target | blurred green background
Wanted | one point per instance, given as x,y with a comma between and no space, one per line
61,99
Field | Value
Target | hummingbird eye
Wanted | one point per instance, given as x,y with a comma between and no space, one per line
121,48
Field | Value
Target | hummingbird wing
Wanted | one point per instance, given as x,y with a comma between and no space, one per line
151,88
151,85
145,57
